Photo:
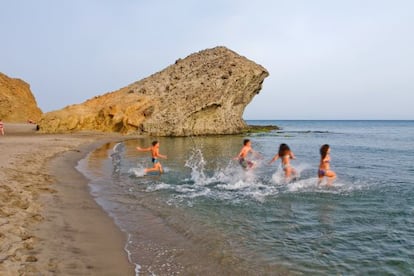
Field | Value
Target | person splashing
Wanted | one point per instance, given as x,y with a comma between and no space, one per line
285,155
244,152
324,165
154,157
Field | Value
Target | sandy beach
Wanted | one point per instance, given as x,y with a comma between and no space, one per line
49,222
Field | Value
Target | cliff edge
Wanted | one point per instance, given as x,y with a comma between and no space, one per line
204,93
17,103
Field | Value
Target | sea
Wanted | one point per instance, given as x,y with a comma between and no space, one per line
205,215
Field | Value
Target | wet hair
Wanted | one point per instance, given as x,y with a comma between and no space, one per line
245,141
283,149
154,143
324,150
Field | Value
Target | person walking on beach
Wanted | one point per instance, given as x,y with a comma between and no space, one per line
285,154
241,157
324,166
155,155
1,127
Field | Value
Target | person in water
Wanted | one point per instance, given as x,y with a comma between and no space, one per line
155,154
244,152
285,154
324,166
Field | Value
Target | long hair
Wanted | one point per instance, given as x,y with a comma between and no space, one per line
283,150
324,151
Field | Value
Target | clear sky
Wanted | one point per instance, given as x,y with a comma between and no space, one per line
349,59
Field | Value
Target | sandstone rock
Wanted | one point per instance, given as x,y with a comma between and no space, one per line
17,103
204,93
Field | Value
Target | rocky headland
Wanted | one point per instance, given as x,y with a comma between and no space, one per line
17,103
204,93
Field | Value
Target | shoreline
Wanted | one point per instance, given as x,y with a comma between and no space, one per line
50,224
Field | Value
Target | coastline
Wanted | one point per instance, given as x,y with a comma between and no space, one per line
49,222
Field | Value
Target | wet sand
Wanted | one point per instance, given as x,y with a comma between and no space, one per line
49,222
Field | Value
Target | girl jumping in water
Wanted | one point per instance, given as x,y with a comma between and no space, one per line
285,154
324,166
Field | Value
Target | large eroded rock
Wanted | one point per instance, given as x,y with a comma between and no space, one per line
205,93
17,103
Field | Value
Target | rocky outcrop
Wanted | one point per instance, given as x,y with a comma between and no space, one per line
204,93
17,103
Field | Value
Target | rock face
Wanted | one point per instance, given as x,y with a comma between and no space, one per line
17,103
205,93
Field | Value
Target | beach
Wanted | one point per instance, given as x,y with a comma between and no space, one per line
49,222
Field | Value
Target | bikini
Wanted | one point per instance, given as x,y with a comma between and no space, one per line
154,160
322,172
285,166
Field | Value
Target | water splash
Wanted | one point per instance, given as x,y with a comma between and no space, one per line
137,172
116,157
197,163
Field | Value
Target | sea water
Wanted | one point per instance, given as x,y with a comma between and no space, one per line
207,216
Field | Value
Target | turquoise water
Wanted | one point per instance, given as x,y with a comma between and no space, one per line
206,215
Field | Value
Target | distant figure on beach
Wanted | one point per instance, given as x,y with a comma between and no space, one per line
324,166
241,157
1,127
155,155
285,154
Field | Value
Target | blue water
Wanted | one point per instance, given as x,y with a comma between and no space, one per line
206,215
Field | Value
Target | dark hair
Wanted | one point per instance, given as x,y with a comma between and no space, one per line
283,149
154,143
324,150
245,141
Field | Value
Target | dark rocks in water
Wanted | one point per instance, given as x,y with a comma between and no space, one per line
259,129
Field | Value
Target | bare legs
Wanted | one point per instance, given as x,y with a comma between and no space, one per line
157,167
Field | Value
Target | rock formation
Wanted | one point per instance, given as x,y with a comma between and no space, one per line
204,93
17,103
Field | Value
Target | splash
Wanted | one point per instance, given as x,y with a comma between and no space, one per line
138,171
197,163
279,176
116,156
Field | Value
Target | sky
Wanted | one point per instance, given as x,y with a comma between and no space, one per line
330,60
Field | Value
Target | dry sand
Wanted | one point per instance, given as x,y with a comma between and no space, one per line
49,223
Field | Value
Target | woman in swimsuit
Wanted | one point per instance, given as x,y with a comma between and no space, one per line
285,154
324,166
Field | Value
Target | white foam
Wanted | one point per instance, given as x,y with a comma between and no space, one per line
232,183
240,184
137,172
160,186
129,241
303,185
